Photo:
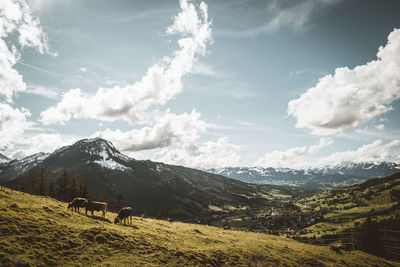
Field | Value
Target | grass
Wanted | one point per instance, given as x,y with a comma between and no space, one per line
41,231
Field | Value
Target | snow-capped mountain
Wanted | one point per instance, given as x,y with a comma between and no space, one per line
146,185
13,168
344,174
3,158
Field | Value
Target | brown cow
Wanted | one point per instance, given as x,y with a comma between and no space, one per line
96,206
77,203
335,248
123,214
344,247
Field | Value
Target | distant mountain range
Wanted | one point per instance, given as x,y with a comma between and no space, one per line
4,158
344,174
145,185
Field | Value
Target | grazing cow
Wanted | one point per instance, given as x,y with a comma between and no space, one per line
77,203
96,206
344,247
336,249
170,220
123,214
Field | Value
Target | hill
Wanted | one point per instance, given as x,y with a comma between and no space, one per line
376,199
39,230
150,187
340,175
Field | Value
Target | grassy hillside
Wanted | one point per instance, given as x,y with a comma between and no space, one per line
41,231
351,206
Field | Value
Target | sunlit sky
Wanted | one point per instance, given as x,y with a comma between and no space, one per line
204,84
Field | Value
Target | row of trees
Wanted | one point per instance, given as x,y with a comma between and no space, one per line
65,188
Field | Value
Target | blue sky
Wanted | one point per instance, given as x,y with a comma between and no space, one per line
213,84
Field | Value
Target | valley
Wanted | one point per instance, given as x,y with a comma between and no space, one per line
39,230
93,168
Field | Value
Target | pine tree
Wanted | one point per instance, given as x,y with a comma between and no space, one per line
32,181
62,187
102,193
73,188
83,190
51,191
42,184
119,202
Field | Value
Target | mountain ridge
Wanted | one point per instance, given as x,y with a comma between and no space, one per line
150,186
344,174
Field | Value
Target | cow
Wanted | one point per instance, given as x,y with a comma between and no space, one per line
77,203
336,249
96,206
123,214
344,247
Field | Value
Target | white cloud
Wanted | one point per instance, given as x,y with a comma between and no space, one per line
10,80
83,69
373,152
298,157
323,142
204,69
46,142
169,129
15,21
351,97
13,123
380,127
161,83
210,154
42,91
293,157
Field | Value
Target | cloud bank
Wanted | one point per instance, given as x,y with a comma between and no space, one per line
170,129
210,154
18,30
161,83
293,157
299,157
351,97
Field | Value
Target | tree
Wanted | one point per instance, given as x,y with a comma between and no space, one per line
42,184
72,189
83,190
31,181
119,202
51,192
102,193
62,187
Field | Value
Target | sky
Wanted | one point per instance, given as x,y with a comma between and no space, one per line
297,84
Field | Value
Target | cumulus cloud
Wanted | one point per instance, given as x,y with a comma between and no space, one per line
13,123
170,129
15,22
374,152
44,142
298,157
351,97
210,154
15,18
293,157
162,82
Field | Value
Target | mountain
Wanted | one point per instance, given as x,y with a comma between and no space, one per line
344,174
147,186
14,168
3,158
